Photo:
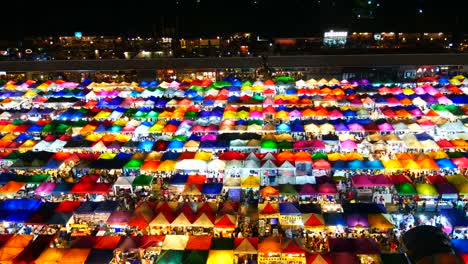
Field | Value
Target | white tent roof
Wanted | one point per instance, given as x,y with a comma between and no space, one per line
175,242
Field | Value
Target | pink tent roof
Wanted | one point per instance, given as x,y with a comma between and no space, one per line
380,180
419,90
348,144
385,127
45,188
317,144
444,100
256,114
431,90
355,127
361,181
462,163
327,188
321,164
336,113
308,189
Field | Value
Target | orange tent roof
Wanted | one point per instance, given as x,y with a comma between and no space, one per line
198,243
18,241
302,156
286,155
12,187
269,191
428,164
269,245
150,165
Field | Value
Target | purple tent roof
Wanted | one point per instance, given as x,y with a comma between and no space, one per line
308,189
357,220
118,217
341,127
445,188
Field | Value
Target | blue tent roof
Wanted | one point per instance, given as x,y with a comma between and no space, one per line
19,216
146,145
445,164
20,204
178,179
373,165
423,136
212,188
23,137
176,144
356,165
106,207
170,155
364,208
283,128
6,177
340,165
52,164
123,156
98,256
460,245
63,187
289,209
455,217
334,219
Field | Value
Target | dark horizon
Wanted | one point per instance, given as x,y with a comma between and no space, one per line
209,18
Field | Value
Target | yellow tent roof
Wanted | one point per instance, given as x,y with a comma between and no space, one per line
220,256
167,165
107,155
203,156
380,221
251,182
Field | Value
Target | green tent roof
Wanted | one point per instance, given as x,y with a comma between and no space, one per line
190,114
170,257
221,83
152,114
62,128
80,123
405,189
142,180
33,179
246,83
393,259
47,128
140,114
269,144
319,155
13,155
255,122
287,189
285,145
180,138
195,257
455,154
133,164
17,122
222,243
284,79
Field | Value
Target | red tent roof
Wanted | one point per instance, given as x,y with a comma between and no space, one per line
293,248
225,222
269,209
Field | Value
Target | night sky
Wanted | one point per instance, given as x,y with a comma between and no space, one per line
215,17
